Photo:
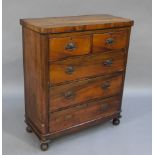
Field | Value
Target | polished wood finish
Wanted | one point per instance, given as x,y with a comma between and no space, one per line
59,47
36,79
83,91
101,42
86,66
83,113
74,71
75,23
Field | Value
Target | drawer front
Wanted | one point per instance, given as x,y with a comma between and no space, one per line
82,113
110,41
86,66
68,46
82,91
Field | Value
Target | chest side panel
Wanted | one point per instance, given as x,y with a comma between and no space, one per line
35,51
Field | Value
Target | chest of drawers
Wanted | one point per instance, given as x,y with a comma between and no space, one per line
74,70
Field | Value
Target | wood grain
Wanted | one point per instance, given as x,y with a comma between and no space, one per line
57,46
119,41
69,89
86,66
36,78
75,23
83,113
83,91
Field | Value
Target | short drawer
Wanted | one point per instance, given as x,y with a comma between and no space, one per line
110,41
67,118
63,47
86,66
82,91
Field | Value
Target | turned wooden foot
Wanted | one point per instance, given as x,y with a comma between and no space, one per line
116,121
119,116
44,146
28,129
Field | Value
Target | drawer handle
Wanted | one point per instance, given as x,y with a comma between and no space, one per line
69,94
108,63
70,46
109,41
106,85
69,70
104,107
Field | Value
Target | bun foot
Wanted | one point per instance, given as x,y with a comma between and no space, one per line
116,121
28,129
44,146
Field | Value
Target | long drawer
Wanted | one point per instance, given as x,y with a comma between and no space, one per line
82,91
86,66
67,118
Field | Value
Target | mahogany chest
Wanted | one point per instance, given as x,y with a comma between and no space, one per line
74,71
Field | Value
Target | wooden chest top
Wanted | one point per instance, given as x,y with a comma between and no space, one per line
75,23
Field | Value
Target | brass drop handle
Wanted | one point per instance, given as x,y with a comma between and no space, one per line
109,41
105,85
107,63
70,46
69,70
69,94
104,107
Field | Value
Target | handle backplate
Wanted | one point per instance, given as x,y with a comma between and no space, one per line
108,63
70,46
109,41
69,94
104,107
69,69
105,85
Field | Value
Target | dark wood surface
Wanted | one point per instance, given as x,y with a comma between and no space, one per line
73,80
119,40
83,91
36,79
86,66
75,23
59,47
81,126
83,113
